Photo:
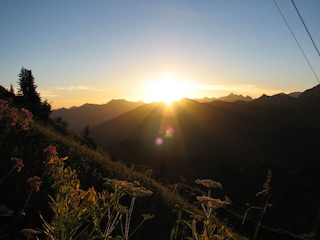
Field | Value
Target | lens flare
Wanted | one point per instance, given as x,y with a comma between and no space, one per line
159,141
163,134
168,132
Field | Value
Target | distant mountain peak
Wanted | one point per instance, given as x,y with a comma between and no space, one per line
93,114
234,97
277,98
229,98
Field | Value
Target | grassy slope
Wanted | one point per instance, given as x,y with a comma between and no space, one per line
85,157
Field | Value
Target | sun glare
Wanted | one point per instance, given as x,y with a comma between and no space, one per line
167,89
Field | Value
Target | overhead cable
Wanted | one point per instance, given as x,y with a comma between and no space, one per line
305,57
305,27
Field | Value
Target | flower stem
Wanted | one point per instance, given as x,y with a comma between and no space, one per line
4,178
20,214
128,219
260,220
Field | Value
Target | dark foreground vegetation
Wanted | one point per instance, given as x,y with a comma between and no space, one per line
55,184
84,194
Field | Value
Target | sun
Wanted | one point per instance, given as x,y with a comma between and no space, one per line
167,88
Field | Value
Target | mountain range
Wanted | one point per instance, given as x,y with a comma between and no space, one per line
93,114
232,142
230,98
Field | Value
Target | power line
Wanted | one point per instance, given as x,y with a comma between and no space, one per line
305,27
305,57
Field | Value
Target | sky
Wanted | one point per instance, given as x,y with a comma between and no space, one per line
95,51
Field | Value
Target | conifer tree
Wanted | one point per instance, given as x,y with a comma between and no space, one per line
11,90
86,139
28,88
29,98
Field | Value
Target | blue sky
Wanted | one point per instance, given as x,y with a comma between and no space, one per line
94,51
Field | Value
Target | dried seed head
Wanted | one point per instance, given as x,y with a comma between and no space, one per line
208,183
139,191
147,216
29,232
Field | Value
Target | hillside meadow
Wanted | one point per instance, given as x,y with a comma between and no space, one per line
53,187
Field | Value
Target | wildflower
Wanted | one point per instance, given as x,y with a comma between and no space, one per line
204,198
85,209
18,163
222,228
147,216
110,181
123,186
52,171
51,152
131,188
139,191
77,184
227,200
3,107
14,116
115,182
29,232
213,202
92,195
209,183
121,209
28,117
229,234
35,183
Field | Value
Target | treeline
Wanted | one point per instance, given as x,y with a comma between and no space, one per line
27,96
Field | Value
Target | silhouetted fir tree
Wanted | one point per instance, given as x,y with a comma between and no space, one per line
11,90
60,125
28,87
86,139
29,98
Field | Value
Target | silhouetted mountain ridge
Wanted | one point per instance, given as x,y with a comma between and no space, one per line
230,98
232,142
92,114
311,95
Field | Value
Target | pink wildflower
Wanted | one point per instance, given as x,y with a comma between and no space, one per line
52,172
51,152
35,183
3,107
25,122
18,163
14,116
52,157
